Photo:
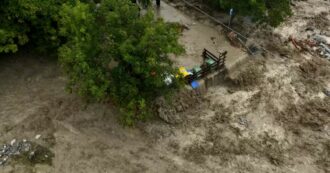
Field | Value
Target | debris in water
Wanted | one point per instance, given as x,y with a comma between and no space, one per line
13,142
326,92
26,151
243,121
15,148
31,155
316,44
38,136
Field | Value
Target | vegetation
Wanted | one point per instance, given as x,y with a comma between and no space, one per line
32,21
272,12
22,21
114,33
108,50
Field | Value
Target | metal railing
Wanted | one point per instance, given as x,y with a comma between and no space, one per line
205,68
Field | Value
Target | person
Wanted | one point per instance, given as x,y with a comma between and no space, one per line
231,13
158,3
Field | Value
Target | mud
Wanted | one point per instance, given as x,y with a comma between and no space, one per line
168,109
269,115
199,35
270,125
308,15
249,74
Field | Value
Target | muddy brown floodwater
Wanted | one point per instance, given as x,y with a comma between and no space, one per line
197,36
269,114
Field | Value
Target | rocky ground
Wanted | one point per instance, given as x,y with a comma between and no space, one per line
270,113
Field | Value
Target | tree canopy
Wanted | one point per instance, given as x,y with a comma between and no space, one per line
32,21
114,32
108,50
272,12
22,21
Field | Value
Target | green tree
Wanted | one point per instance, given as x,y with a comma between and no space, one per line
21,21
277,11
145,2
92,35
114,31
272,12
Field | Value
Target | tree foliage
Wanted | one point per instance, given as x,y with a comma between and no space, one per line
115,33
21,21
272,12
107,49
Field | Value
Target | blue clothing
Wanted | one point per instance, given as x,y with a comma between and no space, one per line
194,84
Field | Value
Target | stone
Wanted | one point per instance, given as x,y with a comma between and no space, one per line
38,136
32,154
12,142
